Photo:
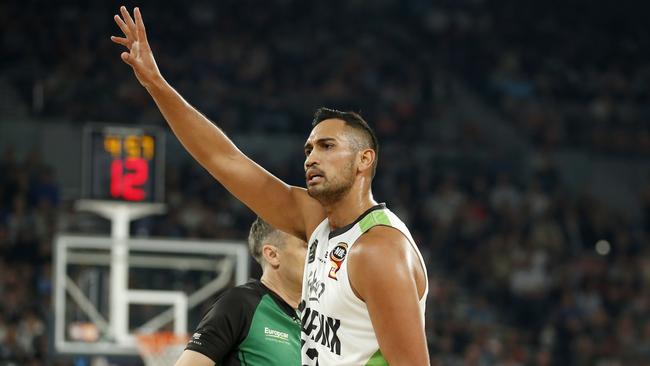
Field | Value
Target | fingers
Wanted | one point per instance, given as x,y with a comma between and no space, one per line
127,19
141,32
123,41
126,58
136,36
125,29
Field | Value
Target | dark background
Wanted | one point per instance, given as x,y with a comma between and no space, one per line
514,136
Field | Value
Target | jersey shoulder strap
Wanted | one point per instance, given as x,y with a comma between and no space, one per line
374,218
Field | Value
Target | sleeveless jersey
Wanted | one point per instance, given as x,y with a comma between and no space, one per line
336,328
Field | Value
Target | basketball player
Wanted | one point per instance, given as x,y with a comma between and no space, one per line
255,323
365,282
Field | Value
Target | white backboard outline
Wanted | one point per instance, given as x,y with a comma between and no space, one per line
235,255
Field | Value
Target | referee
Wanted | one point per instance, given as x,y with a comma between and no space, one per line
255,323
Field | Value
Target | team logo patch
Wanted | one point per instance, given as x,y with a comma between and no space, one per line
337,255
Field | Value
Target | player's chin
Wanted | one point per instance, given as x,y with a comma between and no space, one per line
315,190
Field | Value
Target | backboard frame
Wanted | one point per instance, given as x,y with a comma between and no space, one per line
235,255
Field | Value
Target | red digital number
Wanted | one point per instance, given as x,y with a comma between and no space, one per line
128,185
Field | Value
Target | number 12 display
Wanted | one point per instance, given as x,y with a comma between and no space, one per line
123,163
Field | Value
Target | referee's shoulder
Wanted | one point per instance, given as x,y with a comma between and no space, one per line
249,293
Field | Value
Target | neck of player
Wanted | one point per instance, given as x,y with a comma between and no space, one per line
289,292
354,203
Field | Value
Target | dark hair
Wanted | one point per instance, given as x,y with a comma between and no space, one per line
355,121
261,233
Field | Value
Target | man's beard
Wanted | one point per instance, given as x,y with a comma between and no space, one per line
331,191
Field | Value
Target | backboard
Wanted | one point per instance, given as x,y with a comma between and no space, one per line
167,287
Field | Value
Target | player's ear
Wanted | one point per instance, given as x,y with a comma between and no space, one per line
366,159
270,254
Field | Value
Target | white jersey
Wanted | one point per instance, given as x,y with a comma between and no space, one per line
336,327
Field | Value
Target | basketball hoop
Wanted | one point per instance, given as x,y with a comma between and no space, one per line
161,348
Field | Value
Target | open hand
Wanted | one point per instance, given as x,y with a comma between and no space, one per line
139,57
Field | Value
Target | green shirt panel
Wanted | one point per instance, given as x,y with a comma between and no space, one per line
273,337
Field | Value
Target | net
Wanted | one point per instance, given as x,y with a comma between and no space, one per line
161,348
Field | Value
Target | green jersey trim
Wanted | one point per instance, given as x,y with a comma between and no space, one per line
377,360
374,218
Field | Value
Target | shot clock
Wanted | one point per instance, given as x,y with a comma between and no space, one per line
123,163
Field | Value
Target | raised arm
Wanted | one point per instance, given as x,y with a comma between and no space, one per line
287,208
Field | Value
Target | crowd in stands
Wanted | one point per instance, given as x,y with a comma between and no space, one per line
515,277
574,75
29,202
254,66
527,275
570,76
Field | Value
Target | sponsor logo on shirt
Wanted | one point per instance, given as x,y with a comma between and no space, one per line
196,339
337,255
276,335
